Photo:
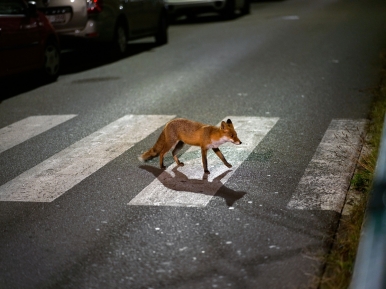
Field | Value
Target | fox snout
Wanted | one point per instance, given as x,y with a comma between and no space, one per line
236,141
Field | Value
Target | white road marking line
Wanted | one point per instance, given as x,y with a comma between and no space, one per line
327,177
29,127
185,186
56,175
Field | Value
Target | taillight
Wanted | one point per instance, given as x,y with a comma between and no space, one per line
94,6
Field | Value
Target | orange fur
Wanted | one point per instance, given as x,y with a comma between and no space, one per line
179,131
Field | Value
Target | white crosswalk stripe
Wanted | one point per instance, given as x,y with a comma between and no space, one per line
322,187
29,127
56,175
327,178
186,186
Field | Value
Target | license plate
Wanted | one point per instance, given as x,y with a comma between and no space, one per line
57,19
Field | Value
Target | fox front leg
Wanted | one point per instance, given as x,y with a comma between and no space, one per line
204,160
221,156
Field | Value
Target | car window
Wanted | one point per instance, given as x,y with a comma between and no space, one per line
12,7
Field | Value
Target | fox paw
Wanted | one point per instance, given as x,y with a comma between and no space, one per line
228,165
181,164
207,172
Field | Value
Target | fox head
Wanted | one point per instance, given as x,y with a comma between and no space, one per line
229,132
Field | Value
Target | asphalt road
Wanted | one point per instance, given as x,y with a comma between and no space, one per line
298,72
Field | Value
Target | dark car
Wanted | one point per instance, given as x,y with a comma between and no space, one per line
108,21
190,8
27,41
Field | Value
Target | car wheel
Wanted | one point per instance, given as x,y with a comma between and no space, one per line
228,12
246,7
51,61
120,39
161,37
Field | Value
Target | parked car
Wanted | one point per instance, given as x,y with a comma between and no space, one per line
27,41
114,21
226,8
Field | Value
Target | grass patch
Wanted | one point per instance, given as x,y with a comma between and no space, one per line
340,260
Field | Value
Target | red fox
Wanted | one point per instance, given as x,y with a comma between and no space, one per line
179,131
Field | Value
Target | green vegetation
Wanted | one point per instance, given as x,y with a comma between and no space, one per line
341,258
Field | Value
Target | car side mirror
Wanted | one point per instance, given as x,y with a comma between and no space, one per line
32,10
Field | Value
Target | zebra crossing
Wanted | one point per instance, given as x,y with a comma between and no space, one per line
29,127
171,188
322,187
329,173
59,173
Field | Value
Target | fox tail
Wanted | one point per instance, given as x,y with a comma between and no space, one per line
155,150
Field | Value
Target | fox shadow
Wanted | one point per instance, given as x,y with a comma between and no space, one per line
181,182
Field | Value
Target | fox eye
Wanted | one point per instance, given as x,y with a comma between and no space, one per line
231,134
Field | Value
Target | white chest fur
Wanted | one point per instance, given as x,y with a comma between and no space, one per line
217,143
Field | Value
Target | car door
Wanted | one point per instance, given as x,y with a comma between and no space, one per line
135,13
150,14
143,16
19,37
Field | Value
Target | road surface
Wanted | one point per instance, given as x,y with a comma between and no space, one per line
79,210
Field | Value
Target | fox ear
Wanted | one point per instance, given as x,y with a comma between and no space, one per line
223,125
229,121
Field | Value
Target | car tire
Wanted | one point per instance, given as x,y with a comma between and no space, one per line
50,71
246,9
228,12
120,39
161,36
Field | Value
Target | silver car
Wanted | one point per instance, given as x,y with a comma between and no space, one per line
115,21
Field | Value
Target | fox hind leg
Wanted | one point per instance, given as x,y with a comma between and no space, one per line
176,149
161,160
164,150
